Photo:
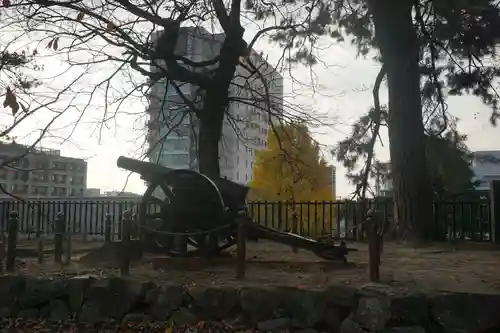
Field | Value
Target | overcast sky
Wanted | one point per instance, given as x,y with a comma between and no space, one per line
343,90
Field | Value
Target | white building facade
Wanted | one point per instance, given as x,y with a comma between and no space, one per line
172,129
486,167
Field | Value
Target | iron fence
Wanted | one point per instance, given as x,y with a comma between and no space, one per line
341,219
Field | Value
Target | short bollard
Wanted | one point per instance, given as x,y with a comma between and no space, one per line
125,251
13,224
58,237
107,228
134,232
40,250
39,238
241,251
68,245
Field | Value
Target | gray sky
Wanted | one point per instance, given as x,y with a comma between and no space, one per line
343,90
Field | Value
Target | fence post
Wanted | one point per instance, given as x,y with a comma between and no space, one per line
58,237
358,215
125,257
295,224
134,230
495,211
375,229
373,249
40,250
241,247
280,215
39,235
107,228
68,244
13,224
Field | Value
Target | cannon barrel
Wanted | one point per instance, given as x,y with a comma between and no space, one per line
233,194
147,170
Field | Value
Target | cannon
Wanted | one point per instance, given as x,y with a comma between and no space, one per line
185,213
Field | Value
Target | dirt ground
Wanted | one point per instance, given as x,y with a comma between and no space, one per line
470,267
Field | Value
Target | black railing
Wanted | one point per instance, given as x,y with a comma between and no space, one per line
341,219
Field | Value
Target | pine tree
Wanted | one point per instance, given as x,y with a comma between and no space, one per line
430,49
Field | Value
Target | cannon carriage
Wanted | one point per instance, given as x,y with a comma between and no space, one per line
185,213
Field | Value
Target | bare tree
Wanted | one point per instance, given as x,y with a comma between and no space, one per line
129,49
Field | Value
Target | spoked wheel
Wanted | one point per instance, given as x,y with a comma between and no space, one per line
155,216
185,202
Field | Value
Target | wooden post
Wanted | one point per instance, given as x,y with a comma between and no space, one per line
375,234
39,237
68,245
295,224
134,232
107,228
58,237
373,250
451,234
13,224
241,251
40,250
125,258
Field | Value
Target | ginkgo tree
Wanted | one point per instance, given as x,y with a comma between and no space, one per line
292,169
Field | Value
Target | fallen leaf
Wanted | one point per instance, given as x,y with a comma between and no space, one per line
49,45
110,27
15,107
56,44
80,16
11,101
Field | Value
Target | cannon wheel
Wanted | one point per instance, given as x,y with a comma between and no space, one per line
161,207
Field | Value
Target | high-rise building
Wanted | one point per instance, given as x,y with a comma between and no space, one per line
173,131
42,172
332,180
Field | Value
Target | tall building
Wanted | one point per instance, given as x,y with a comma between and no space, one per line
332,179
42,172
173,130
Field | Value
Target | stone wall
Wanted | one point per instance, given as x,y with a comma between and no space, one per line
371,308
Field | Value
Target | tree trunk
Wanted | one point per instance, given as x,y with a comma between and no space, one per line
398,44
216,103
208,142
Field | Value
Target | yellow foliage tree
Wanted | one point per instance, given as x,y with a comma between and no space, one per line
291,176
